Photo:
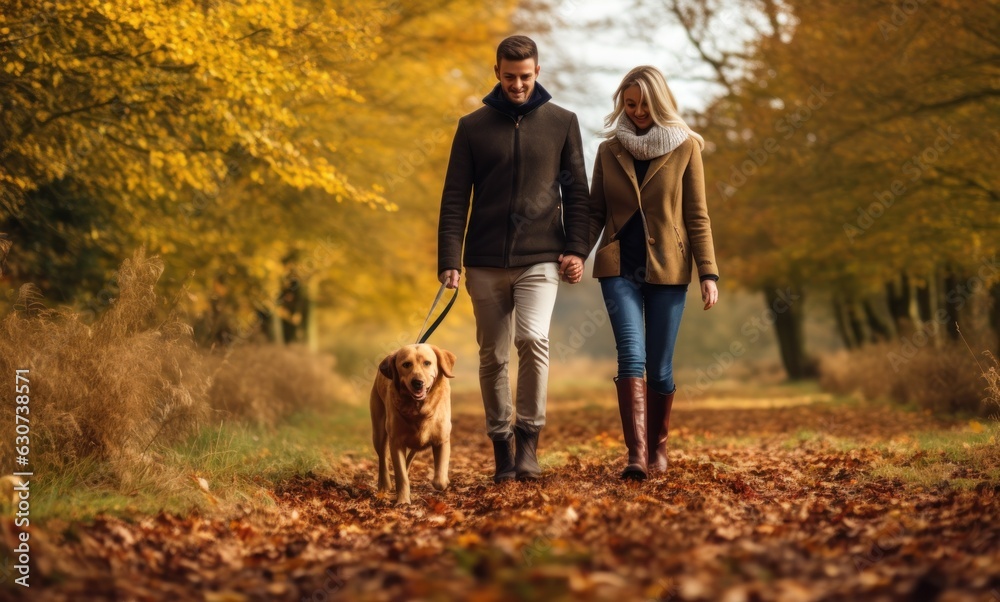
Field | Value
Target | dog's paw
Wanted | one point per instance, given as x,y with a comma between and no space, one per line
403,501
441,485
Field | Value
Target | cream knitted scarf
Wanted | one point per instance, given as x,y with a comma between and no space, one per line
656,142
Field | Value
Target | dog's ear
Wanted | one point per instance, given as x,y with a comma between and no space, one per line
388,366
446,361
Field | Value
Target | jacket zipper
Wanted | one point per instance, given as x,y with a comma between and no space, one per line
513,190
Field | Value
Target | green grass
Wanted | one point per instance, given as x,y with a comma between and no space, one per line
240,464
924,476
88,487
957,446
930,458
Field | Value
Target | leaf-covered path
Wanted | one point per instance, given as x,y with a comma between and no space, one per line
787,502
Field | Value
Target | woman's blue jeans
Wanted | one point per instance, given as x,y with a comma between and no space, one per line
645,319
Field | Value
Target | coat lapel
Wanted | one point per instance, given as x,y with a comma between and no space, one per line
627,162
654,166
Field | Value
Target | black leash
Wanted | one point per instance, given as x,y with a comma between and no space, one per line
447,308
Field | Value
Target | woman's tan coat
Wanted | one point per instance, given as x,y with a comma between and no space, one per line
673,208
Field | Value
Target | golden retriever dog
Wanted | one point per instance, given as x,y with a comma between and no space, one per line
411,411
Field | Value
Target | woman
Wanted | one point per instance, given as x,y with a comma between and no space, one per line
648,194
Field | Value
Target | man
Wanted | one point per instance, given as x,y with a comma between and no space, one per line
520,158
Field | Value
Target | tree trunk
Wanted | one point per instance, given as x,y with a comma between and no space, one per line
995,316
897,294
312,330
840,313
276,334
788,328
264,324
882,330
953,300
862,333
914,306
928,302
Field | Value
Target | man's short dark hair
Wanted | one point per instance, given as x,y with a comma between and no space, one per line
517,48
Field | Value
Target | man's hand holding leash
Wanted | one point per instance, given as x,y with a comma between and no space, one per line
450,278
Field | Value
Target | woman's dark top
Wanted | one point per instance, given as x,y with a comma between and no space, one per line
632,238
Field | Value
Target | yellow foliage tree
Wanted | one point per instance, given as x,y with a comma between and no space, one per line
144,100
855,160
226,137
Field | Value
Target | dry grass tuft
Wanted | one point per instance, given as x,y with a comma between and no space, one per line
942,379
262,384
107,390
992,376
115,389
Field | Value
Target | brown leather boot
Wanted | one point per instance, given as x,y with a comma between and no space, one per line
658,425
632,407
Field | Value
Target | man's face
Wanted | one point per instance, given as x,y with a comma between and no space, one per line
517,78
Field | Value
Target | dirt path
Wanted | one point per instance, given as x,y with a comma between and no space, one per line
748,510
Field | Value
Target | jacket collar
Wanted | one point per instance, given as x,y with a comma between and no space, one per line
627,161
497,100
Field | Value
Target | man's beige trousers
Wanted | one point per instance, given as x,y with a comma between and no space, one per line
518,302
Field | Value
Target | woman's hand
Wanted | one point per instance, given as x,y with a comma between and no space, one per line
709,293
570,268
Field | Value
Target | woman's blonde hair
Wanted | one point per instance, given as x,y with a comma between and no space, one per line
662,106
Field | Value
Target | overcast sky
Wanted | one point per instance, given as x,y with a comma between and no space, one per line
599,41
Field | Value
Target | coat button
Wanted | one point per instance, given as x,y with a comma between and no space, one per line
652,240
